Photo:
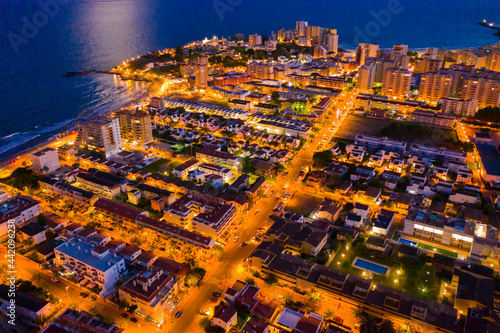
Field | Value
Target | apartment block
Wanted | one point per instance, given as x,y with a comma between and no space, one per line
438,153
396,82
372,143
260,70
432,118
459,107
486,91
101,135
96,263
45,161
366,77
434,86
20,209
135,126
201,74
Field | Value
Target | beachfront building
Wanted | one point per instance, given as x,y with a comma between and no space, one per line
96,263
135,126
45,161
102,135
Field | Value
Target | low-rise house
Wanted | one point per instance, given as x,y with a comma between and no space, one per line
363,173
444,187
377,244
316,179
73,321
327,210
465,196
336,169
383,222
225,317
343,187
353,220
372,194
33,232
361,210
25,304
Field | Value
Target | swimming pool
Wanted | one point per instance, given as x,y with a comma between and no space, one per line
370,266
407,242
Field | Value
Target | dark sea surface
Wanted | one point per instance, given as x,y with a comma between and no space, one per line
37,101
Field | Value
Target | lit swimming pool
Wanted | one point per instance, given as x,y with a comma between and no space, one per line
370,266
407,242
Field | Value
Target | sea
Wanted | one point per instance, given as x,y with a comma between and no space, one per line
40,40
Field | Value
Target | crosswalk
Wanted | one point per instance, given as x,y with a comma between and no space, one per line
213,280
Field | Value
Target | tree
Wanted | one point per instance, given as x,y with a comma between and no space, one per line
41,320
194,276
406,328
322,159
386,326
271,280
41,219
329,314
36,277
348,207
368,323
489,114
250,280
314,296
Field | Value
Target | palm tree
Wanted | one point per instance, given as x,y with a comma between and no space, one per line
36,277
406,328
329,314
187,251
387,326
368,323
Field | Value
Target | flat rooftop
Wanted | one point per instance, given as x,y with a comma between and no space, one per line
490,157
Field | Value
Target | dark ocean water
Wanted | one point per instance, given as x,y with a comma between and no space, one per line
36,101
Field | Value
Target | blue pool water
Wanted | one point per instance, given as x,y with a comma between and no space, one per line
370,266
407,242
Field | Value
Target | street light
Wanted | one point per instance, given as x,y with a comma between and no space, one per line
67,291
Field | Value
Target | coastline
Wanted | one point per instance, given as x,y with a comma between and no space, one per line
152,89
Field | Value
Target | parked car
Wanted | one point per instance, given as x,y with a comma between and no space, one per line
178,314
133,319
236,238
216,294
124,315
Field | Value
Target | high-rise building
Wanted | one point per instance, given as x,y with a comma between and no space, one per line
400,48
381,66
332,42
366,77
486,91
432,52
273,36
202,72
135,126
255,39
396,82
319,51
102,135
314,35
464,108
239,36
364,51
428,65
45,161
434,85
494,61
300,26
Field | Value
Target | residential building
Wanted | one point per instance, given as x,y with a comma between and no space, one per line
489,162
95,263
20,209
45,161
366,77
201,74
260,70
182,170
135,126
33,232
459,107
71,321
25,304
213,155
225,317
486,91
396,82
434,85
101,135
432,118
374,144
296,237
153,293
400,49
443,154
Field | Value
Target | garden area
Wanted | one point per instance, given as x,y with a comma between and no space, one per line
410,275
